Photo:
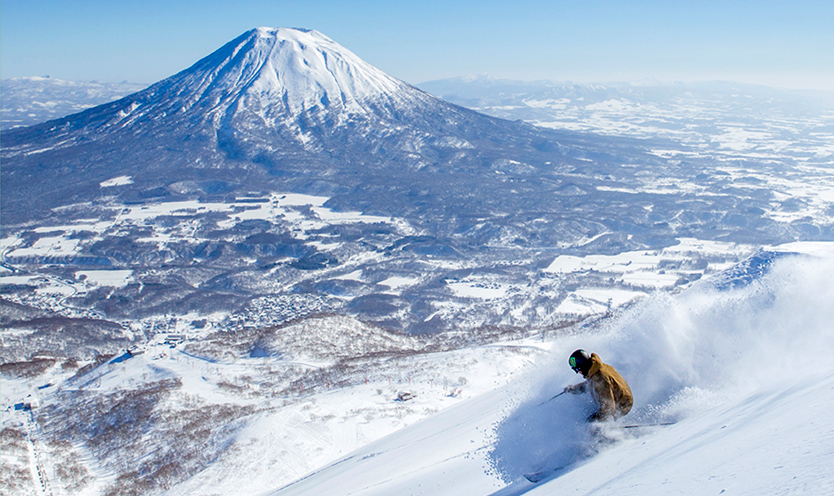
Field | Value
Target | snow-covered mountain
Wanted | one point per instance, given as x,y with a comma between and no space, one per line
283,81
290,75
274,109
202,173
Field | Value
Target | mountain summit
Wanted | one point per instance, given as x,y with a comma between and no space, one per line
288,80
291,70
280,77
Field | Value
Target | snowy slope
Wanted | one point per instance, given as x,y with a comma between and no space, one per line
304,69
776,440
275,75
746,372
304,396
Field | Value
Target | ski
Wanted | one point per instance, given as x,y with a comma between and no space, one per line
635,426
539,476
544,474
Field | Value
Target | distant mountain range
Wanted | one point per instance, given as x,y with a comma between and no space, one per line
685,112
485,91
27,101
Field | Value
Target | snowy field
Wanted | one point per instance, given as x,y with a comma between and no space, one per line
285,207
477,291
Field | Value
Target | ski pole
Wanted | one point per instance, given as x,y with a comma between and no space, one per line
553,398
635,426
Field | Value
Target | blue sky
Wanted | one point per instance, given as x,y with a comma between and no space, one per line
778,43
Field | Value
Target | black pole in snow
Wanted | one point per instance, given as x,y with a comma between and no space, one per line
553,398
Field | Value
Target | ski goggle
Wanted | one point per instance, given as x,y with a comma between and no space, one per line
573,365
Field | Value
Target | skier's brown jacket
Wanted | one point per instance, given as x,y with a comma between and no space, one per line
609,389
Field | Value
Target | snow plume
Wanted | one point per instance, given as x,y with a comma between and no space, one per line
681,354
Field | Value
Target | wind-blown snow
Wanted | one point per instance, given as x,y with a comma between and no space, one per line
683,353
745,370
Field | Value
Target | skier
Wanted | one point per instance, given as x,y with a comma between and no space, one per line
607,386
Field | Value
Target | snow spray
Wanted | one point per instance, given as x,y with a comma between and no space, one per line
680,354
